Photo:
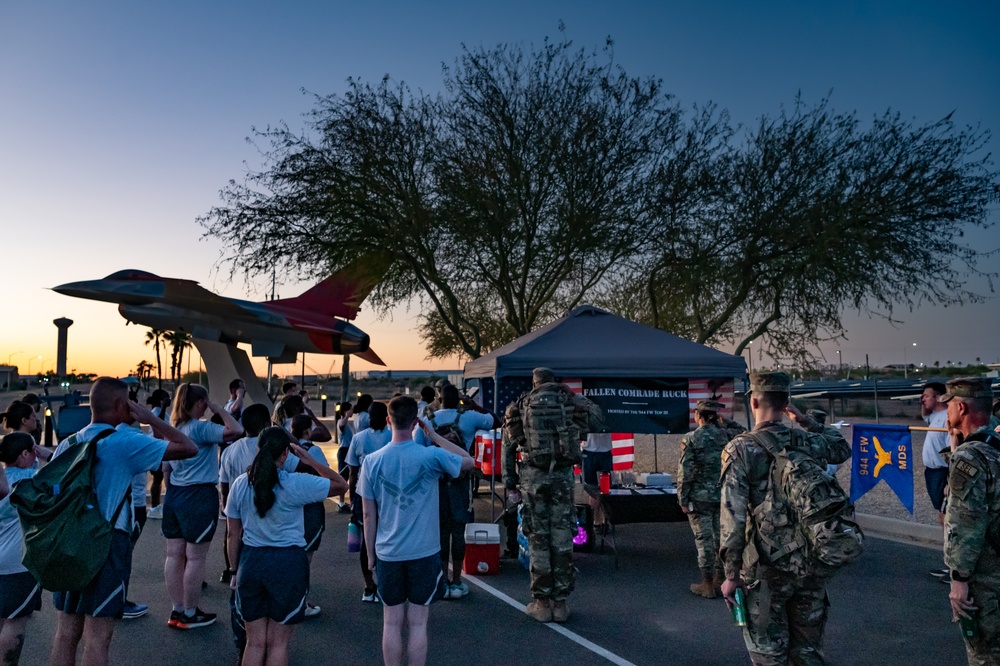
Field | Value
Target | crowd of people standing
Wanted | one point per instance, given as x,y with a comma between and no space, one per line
405,466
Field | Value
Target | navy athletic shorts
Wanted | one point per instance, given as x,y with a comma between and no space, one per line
419,581
594,462
105,596
20,595
314,518
191,512
272,582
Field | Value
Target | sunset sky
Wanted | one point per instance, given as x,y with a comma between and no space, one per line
121,121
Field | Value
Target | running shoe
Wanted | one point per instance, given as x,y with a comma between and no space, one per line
199,619
312,610
371,597
175,618
134,610
941,573
344,508
457,591
156,512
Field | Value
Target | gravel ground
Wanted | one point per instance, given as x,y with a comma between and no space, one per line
879,501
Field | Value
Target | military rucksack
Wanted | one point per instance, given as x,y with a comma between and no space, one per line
805,525
551,432
450,430
66,537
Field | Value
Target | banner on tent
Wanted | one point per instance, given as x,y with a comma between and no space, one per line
653,406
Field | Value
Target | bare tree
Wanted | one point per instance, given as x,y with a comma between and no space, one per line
498,205
810,213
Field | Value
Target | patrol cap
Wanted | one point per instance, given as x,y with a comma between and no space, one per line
968,387
770,382
543,375
708,406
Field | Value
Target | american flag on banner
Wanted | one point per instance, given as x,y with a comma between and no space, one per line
701,389
622,451
622,444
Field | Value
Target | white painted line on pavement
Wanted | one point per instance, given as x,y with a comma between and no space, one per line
558,628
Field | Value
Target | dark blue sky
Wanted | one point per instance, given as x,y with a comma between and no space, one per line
120,121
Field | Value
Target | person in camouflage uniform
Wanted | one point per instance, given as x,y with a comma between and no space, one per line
548,515
698,492
972,518
786,611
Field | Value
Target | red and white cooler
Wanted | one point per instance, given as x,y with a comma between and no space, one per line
482,549
488,446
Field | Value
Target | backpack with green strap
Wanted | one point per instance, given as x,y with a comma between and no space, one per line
66,537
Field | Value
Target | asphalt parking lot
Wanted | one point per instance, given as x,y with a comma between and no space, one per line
886,609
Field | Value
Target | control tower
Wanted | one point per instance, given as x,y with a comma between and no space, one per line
63,325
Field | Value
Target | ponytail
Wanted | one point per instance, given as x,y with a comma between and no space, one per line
289,407
263,471
185,399
710,418
17,413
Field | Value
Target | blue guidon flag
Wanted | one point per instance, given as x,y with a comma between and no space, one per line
882,453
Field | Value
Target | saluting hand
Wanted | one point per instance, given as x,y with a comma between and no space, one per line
140,413
301,453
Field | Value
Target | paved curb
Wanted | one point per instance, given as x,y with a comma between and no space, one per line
929,536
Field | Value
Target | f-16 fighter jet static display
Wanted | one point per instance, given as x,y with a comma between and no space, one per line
312,323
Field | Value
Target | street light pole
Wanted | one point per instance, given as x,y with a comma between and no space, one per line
906,366
840,362
32,360
10,356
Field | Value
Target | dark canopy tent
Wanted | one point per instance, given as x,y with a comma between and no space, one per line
590,342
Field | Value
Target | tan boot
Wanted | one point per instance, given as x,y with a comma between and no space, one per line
705,588
560,612
540,609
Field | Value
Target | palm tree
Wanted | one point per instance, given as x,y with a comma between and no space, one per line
179,341
154,335
142,371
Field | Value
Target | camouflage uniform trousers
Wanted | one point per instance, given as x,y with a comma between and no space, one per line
704,521
786,616
985,649
549,520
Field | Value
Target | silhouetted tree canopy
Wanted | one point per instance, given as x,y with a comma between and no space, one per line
542,178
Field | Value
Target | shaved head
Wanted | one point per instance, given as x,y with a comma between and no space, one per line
106,396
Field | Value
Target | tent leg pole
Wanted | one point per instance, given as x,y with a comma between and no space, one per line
656,459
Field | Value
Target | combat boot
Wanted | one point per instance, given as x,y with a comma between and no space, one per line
540,609
717,583
560,612
705,588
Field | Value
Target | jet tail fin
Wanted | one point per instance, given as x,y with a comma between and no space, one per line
339,295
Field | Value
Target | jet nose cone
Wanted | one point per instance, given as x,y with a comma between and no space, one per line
93,289
113,291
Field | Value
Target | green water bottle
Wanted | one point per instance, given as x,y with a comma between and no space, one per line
970,626
740,608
